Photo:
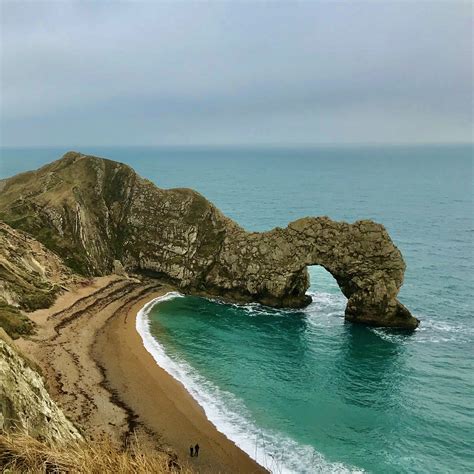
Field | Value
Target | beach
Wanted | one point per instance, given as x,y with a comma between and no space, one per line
98,370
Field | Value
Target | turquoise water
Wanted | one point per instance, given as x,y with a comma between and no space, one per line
302,390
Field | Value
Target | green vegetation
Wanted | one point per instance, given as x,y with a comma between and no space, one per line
32,293
14,322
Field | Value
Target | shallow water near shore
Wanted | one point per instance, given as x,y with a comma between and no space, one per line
303,391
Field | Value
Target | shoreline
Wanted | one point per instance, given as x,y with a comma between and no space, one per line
107,382
221,411
160,401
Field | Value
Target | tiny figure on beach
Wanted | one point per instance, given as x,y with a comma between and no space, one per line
191,453
196,449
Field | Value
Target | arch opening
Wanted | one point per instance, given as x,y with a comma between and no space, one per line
323,284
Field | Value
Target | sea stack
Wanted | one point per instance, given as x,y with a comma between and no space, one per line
97,213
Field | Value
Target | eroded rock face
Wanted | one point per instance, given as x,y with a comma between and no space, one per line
30,278
94,212
30,274
24,402
361,257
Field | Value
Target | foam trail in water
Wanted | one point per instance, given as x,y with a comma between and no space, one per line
274,451
326,309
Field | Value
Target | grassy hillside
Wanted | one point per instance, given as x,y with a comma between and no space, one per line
20,453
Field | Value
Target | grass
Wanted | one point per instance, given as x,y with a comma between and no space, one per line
21,453
14,322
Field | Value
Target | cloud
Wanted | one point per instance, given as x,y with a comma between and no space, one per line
235,73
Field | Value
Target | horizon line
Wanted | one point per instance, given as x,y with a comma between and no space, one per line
247,145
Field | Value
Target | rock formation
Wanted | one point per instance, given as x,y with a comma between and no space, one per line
30,277
25,404
97,213
30,274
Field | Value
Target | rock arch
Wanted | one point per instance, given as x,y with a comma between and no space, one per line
271,267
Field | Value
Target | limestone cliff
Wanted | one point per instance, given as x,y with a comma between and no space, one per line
25,404
94,212
30,277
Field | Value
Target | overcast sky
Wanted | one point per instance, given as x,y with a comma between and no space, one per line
244,73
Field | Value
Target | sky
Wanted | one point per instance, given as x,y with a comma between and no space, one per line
235,73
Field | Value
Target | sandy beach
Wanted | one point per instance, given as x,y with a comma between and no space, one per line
98,370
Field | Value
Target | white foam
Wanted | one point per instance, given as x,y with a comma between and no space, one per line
272,450
326,309
430,331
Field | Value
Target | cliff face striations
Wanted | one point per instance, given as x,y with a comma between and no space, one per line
25,404
30,278
98,214
30,274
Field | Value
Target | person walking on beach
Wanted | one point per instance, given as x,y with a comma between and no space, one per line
191,453
196,449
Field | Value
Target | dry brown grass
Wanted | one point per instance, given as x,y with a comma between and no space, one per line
21,453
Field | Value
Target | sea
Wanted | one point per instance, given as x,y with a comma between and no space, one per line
301,390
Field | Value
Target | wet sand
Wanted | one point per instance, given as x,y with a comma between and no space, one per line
98,370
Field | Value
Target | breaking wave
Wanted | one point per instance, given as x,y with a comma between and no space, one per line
273,450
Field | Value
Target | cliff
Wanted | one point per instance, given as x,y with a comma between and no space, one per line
30,277
99,215
25,405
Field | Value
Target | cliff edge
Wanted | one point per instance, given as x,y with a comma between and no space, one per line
25,405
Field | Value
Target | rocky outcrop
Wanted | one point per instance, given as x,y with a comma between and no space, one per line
95,212
361,257
25,404
30,277
30,274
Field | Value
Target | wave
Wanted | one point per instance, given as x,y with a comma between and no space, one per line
273,450
326,309
430,331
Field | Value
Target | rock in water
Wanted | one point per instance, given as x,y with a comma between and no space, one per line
93,212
